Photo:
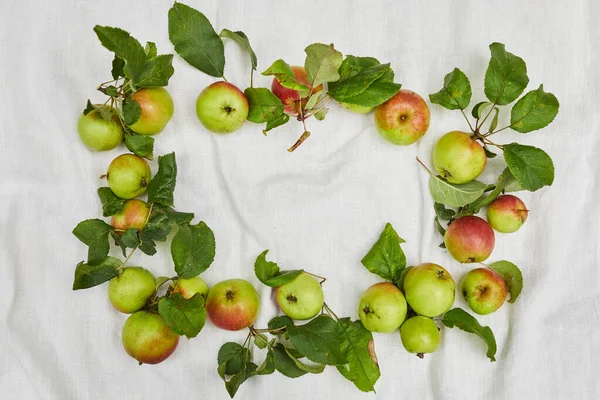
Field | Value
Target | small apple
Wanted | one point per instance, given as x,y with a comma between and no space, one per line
98,134
133,215
232,304
507,213
458,158
429,289
147,338
301,298
403,119
382,308
157,109
188,287
355,108
128,176
420,335
130,291
469,239
291,98
484,289
222,107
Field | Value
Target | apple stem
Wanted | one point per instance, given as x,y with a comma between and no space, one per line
467,119
300,140
478,126
323,279
425,166
330,311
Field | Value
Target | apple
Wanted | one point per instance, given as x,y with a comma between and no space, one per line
301,298
157,109
429,289
355,108
147,338
382,308
420,335
133,215
222,107
128,176
484,289
130,291
507,213
403,119
291,98
188,287
469,239
458,158
232,304
98,134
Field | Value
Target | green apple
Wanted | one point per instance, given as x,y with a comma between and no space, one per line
133,215
232,304
355,108
147,338
507,213
458,158
420,335
301,298
157,109
222,107
130,291
188,287
469,239
429,289
382,308
128,176
98,134
484,289
403,119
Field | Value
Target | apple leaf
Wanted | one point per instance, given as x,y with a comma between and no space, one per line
184,316
320,115
284,74
319,340
531,167
453,195
140,145
279,322
131,111
456,93
311,369
94,233
285,364
510,183
386,257
512,276
322,63
234,356
161,280
442,212
174,217
493,126
195,40
281,120
484,200
506,76
193,249
157,72
269,273
243,41
117,68
158,226
125,47
268,365
130,238
361,365
119,242
479,109
150,50
111,203
162,185
533,111
264,105
87,276
439,226
466,322
261,341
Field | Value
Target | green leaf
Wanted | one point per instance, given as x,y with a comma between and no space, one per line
174,217
89,107
282,120
268,365
439,227
233,384
284,74
281,321
484,199
322,63
140,145
112,91
361,366
319,340
479,108
314,99
268,272
453,195
386,257
104,111
533,111
94,233
130,238
111,203
466,322
506,76
157,72
400,282
161,280
264,105
150,50
184,316
320,115
234,356
456,93
119,242
158,226
193,249
512,276
125,47
493,124
284,363
488,152
131,111
242,39
195,40
442,212
117,68
261,341
311,369
510,183
87,276
530,166
162,185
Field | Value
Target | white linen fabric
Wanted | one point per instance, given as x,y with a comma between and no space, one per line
319,208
